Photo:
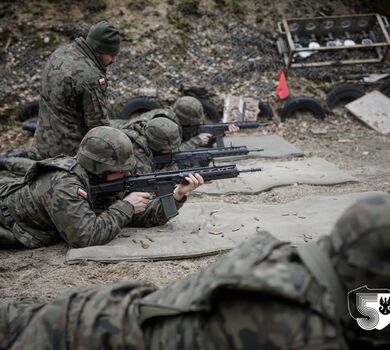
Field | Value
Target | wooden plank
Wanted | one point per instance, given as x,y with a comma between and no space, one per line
373,109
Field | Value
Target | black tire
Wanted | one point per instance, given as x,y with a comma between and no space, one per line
294,104
385,88
265,110
209,110
138,104
29,110
30,124
345,93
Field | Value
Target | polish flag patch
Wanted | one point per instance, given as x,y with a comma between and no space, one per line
102,81
82,193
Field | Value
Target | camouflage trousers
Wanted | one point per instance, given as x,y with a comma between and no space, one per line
7,238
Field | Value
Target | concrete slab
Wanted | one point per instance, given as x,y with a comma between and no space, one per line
372,109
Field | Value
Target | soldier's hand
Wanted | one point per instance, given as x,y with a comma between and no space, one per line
232,129
139,200
205,137
194,181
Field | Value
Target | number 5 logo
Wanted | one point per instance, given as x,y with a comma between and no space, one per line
372,308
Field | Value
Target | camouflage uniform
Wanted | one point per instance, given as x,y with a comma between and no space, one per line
260,296
18,162
73,99
149,136
186,111
53,200
73,96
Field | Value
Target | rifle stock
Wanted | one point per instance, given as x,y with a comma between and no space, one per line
163,184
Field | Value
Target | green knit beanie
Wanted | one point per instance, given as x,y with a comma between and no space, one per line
103,37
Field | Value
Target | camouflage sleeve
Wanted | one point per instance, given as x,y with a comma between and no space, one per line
193,143
76,222
153,215
243,320
119,123
96,112
169,167
84,318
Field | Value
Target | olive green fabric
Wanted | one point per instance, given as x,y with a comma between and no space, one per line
103,37
106,150
162,135
166,138
359,243
189,111
193,143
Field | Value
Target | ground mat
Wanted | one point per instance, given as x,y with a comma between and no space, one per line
209,228
313,171
274,146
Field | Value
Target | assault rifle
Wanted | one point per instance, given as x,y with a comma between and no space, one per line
218,130
199,157
163,184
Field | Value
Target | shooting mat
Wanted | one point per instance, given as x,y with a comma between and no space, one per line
313,171
274,146
209,228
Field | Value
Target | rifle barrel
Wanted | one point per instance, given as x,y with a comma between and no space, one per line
256,150
251,170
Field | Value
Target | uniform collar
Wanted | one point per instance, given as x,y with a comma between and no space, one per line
82,44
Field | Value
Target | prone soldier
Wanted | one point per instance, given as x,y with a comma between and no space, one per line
265,294
53,200
151,137
186,111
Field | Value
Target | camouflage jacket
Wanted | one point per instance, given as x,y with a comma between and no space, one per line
52,202
260,296
73,99
189,145
143,154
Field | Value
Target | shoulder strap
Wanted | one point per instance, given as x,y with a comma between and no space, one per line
318,262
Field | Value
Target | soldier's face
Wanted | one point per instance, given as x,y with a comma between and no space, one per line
107,58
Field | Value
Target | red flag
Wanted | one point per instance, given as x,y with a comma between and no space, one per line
282,89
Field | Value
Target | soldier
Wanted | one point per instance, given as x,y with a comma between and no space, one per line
73,96
53,200
74,91
186,111
158,135
265,294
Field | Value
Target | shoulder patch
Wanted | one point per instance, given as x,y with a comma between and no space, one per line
102,81
82,193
